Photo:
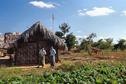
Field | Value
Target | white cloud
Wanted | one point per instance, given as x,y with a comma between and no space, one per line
41,4
96,11
81,12
124,13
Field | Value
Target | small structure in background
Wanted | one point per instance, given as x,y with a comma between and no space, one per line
7,48
6,41
29,42
10,37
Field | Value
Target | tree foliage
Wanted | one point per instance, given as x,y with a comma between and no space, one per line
64,27
103,43
70,41
87,42
91,36
59,34
122,44
106,44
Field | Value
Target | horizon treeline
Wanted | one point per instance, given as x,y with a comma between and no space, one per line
71,40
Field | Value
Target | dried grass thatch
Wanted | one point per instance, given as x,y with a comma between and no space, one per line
38,30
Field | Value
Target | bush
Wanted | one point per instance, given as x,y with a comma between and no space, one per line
88,73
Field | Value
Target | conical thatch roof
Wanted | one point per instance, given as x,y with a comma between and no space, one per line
38,29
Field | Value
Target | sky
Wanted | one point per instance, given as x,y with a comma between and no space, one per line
106,18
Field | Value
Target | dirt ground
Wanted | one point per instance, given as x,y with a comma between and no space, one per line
83,57
74,57
66,61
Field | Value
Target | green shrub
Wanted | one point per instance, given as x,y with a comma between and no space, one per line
88,73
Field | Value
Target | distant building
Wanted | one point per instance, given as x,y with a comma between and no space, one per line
6,40
10,37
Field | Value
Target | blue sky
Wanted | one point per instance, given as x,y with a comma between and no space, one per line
107,18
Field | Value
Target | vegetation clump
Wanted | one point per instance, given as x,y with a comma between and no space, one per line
100,73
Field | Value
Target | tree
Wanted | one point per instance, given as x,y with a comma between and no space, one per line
122,44
59,34
64,27
115,47
109,43
103,43
91,36
86,44
87,41
70,41
109,40
98,43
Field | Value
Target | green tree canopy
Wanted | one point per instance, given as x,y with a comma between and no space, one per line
64,27
86,43
70,41
103,43
59,34
91,36
122,44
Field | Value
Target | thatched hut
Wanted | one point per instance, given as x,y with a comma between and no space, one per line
29,42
